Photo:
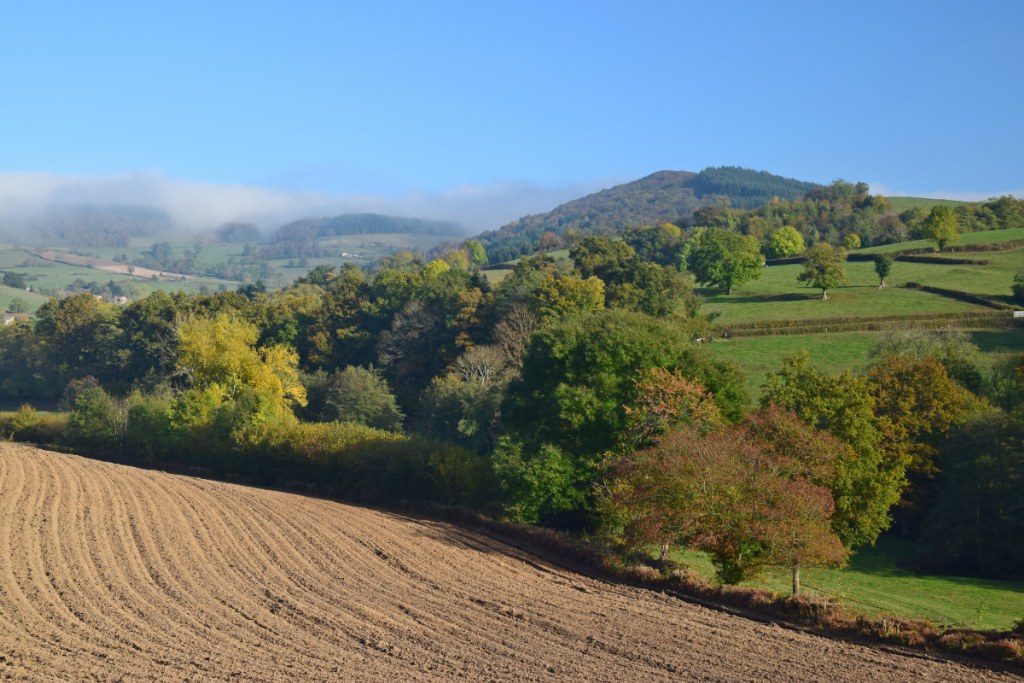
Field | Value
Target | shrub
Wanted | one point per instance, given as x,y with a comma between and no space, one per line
149,433
29,424
1018,287
97,421
356,395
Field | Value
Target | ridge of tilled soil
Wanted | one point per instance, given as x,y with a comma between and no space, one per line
113,572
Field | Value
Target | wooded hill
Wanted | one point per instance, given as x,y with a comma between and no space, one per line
665,196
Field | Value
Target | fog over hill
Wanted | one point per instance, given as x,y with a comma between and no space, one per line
45,207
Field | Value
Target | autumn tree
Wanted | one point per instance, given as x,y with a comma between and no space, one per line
941,226
559,295
730,492
724,259
662,400
219,355
824,268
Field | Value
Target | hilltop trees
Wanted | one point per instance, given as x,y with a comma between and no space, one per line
941,226
724,259
824,268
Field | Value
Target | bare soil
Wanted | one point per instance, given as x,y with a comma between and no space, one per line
111,572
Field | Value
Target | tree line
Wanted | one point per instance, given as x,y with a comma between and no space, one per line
574,394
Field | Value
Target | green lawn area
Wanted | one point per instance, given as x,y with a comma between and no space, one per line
833,352
873,583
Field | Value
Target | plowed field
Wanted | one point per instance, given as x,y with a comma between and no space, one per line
112,572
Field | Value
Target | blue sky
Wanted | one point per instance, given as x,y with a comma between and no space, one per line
425,99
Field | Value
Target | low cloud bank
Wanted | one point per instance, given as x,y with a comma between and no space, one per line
196,206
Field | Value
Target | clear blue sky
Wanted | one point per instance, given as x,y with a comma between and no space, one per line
388,97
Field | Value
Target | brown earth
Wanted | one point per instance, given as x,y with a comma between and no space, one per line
110,572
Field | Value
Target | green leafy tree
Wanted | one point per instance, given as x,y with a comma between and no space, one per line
16,280
96,421
785,242
824,268
724,259
869,480
361,396
578,379
17,305
659,244
883,266
975,525
851,241
941,226
475,251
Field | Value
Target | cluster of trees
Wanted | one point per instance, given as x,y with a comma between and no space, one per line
571,394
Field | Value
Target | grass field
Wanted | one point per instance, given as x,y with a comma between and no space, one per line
777,294
980,237
759,356
874,583
901,204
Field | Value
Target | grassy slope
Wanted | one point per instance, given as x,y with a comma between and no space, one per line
981,237
900,204
776,294
873,583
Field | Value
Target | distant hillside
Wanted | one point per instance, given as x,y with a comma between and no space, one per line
308,229
87,225
901,204
670,196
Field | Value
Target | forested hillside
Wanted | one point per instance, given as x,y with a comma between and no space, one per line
361,224
662,197
86,225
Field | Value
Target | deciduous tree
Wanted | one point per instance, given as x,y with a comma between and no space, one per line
824,268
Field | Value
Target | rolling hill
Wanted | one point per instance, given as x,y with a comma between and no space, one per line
670,196
112,572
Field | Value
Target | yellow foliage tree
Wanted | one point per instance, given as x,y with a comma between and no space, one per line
219,356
